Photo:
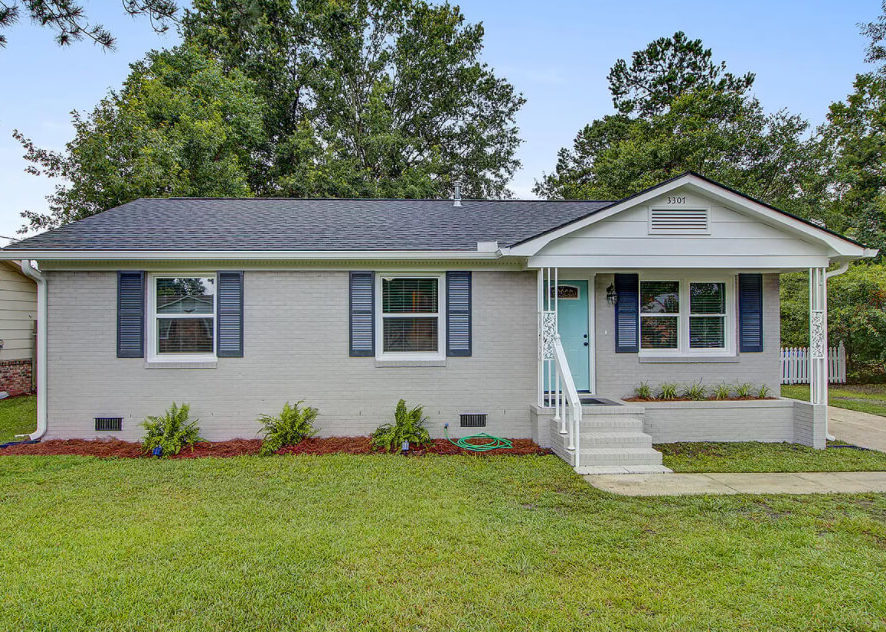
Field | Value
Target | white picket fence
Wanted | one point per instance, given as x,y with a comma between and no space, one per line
795,365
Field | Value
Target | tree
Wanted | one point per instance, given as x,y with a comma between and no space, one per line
678,111
70,23
367,97
666,69
180,126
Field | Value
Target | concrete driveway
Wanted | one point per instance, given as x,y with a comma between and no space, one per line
861,429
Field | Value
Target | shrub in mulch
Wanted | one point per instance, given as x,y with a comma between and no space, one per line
113,448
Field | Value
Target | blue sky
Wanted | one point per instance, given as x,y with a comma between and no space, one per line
805,55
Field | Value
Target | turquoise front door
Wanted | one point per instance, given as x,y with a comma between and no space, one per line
572,323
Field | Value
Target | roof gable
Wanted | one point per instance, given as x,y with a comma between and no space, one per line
829,243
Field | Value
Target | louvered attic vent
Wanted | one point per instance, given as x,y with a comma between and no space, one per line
678,221
473,420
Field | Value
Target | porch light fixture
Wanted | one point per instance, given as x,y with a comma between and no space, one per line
611,295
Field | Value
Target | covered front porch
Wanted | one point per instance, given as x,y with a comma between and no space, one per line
680,287
603,335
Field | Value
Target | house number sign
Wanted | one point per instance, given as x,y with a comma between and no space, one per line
676,199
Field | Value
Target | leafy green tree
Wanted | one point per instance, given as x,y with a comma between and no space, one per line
180,126
69,21
678,111
854,142
666,69
367,97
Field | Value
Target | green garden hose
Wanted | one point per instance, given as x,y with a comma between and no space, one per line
492,442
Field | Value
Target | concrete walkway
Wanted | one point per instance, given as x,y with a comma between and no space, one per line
862,429
776,483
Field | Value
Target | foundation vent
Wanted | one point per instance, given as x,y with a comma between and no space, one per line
107,424
676,221
473,420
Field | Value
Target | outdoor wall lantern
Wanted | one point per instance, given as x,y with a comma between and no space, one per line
611,295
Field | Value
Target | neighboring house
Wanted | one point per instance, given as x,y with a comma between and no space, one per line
238,305
18,319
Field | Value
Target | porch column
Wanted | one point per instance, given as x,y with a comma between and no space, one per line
811,419
818,337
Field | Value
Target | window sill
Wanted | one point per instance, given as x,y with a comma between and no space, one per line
687,359
382,363
176,364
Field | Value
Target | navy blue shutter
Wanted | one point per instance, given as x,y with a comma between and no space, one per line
362,314
750,312
130,314
458,314
627,313
230,315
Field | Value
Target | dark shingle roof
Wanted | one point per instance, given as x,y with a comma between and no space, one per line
296,224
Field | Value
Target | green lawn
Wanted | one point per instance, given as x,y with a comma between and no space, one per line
18,415
384,542
767,457
866,398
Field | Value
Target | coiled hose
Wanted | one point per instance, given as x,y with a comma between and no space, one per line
491,442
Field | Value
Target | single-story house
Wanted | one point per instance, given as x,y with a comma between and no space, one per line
526,318
18,321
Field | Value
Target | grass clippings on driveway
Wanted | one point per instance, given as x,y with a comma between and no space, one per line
383,542
865,398
752,456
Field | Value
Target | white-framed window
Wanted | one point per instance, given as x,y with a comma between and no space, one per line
687,316
182,316
410,322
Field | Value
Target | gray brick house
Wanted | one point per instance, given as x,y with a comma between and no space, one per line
534,318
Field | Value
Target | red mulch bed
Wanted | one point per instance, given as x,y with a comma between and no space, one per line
330,445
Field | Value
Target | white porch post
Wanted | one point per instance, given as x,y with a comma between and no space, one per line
818,337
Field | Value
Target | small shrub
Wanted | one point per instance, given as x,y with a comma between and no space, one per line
668,391
290,427
764,392
644,391
722,391
172,431
408,426
744,390
695,391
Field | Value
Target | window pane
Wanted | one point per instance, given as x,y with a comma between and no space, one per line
707,298
184,335
660,297
409,296
410,334
194,295
659,332
706,332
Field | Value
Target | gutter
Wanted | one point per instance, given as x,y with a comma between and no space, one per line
30,271
827,275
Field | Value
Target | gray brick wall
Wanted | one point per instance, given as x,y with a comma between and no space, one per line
619,373
296,347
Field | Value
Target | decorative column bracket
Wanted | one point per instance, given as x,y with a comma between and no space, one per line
548,331
817,335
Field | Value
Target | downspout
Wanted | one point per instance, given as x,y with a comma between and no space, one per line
827,275
30,271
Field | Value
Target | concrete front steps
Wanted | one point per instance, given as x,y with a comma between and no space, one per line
613,442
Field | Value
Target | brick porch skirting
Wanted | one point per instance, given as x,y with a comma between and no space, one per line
15,377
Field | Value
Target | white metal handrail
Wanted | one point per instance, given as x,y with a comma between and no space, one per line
570,422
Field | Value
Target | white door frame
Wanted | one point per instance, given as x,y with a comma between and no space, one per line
592,330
